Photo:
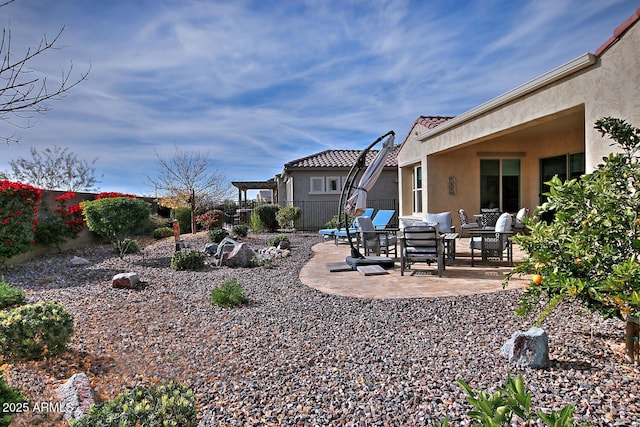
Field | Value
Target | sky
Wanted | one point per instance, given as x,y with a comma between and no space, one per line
256,84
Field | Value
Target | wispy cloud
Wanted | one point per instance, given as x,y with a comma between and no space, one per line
256,84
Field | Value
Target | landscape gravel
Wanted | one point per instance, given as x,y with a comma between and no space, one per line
294,356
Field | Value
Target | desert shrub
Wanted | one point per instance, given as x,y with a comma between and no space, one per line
128,246
263,218
35,331
217,235
183,215
241,230
166,404
18,212
116,218
187,259
275,240
162,232
287,215
9,295
229,294
499,408
10,398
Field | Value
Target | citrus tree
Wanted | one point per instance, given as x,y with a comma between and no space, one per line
589,252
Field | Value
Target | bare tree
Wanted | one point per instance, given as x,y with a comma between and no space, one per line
188,179
22,94
55,169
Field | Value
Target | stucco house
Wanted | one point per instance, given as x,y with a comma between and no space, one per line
315,182
500,153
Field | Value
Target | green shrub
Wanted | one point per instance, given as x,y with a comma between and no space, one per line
10,296
9,397
116,218
35,331
187,259
229,294
217,235
275,240
263,218
241,230
162,232
167,404
183,215
287,215
128,246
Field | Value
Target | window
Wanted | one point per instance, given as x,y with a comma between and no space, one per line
317,185
416,187
333,184
566,166
500,184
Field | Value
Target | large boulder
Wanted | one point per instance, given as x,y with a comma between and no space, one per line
76,397
242,255
528,349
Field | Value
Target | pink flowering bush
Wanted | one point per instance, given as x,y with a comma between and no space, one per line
18,217
210,219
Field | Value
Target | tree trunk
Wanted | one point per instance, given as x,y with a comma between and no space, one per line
632,337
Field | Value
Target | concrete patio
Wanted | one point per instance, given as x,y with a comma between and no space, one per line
421,282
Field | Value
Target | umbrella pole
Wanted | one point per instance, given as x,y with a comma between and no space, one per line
349,185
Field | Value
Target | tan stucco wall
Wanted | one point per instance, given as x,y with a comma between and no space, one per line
555,119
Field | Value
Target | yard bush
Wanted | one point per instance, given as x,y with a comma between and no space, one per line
187,259
63,223
18,217
217,235
275,240
116,218
210,219
9,398
162,232
128,246
35,331
241,230
263,218
287,215
10,296
229,294
183,215
167,404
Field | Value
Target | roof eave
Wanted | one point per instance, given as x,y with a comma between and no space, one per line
552,76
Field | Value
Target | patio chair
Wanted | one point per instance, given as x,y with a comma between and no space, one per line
489,218
380,221
465,223
421,243
492,243
373,240
518,226
329,233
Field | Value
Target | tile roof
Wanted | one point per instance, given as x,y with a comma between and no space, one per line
339,159
619,31
432,121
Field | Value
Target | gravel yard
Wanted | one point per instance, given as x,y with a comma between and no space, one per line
295,356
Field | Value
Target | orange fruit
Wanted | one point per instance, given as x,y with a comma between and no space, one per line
537,279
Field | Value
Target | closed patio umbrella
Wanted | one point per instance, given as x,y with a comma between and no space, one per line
357,203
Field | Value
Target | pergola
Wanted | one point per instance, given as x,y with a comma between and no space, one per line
244,186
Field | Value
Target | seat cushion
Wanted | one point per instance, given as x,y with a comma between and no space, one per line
503,223
443,219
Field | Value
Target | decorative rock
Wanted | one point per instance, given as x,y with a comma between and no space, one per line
76,396
125,281
242,255
76,261
284,244
530,348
